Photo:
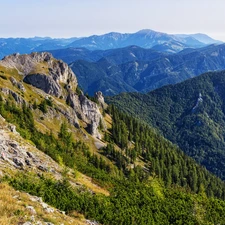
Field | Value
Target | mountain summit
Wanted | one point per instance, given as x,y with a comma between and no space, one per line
145,38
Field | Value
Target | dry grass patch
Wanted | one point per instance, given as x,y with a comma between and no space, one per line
87,182
13,210
108,121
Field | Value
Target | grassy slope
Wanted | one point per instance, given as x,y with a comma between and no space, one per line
13,210
46,125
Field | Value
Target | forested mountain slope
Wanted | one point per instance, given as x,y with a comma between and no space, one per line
115,56
190,114
146,70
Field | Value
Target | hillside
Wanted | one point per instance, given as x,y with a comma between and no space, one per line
190,114
134,69
17,154
94,164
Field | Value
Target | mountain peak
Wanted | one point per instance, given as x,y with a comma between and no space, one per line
146,31
42,71
35,56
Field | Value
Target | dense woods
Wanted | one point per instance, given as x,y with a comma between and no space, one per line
197,127
162,158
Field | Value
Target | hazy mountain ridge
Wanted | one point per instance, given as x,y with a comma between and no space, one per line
201,37
27,45
114,56
144,38
142,70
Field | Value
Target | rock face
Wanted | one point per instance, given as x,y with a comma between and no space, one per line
17,98
55,78
46,83
87,111
100,99
17,84
43,71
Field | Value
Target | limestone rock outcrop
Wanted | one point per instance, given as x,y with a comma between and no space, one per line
100,99
46,83
43,71
54,77
87,111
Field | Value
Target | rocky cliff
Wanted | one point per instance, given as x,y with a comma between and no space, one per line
43,71
87,111
56,79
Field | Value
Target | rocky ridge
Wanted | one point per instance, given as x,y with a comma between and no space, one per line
42,71
55,79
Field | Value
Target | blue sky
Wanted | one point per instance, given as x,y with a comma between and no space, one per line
72,18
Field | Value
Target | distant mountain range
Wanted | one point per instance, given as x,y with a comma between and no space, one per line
134,69
190,114
27,45
144,38
116,62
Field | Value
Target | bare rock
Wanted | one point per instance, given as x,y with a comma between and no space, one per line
38,223
71,115
17,97
92,222
12,128
42,168
21,87
36,199
47,208
62,212
27,223
18,162
100,99
13,151
32,218
17,84
13,81
27,162
48,70
45,83
44,205
29,155
87,111
31,209
13,144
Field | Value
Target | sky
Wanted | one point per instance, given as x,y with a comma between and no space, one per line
79,18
